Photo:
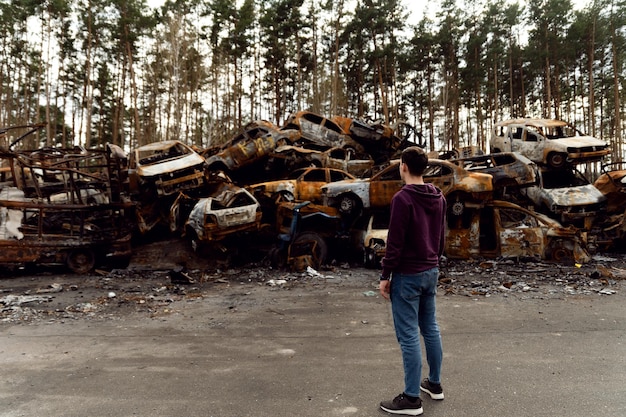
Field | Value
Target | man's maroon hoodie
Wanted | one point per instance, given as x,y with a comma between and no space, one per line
416,235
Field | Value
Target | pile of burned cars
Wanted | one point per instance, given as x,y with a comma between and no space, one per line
310,192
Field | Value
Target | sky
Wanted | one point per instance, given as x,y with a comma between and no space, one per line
417,8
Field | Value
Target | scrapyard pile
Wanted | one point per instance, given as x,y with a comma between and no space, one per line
303,194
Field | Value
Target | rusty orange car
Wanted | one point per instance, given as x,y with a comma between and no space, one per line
495,229
303,184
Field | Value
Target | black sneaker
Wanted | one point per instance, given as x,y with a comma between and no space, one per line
434,390
402,405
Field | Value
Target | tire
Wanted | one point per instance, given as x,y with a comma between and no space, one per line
562,255
320,248
349,204
277,258
81,261
369,259
557,159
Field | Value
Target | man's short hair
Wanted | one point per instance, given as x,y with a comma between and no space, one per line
415,160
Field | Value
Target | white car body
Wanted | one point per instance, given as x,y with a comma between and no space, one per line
550,142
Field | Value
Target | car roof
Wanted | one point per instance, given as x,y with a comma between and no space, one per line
533,122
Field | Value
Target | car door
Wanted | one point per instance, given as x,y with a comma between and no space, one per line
384,185
519,233
531,143
440,175
310,184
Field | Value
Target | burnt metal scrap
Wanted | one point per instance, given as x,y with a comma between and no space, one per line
64,206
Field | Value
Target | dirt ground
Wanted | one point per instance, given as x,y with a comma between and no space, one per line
165,272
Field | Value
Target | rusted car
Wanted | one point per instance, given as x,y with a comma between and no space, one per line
257,141
504,229
458,185
229,211
567,195
317,130
380,140
165,168
549,142
509,170
295,157
498,229
303,184
612,184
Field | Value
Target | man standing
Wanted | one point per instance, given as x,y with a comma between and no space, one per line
409,277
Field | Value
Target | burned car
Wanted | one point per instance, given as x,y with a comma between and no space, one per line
307,233
165,168
303,184
504,229
458,185
549,142
79,236
228,211
381,141
567,195
612,184
510,170
318,131
253,145
498,229
294,157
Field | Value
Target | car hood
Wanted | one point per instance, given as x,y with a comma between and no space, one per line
580,141
575,196
343,184
187,161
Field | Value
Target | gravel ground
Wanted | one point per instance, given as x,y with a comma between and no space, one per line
163,273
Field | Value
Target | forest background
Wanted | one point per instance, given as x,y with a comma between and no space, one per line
128,72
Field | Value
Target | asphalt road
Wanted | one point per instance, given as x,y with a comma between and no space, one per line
322,348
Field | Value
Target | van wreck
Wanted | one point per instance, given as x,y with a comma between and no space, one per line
64,207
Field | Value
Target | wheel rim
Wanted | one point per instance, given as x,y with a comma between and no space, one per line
557,160
346,205
457,208
81,260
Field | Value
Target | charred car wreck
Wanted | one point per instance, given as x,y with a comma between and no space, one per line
64,207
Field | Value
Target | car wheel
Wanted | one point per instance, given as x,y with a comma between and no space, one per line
348,204
314,244
457,208
557,160
369,258
81,261
456,203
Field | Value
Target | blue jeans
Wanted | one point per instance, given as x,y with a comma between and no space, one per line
413,306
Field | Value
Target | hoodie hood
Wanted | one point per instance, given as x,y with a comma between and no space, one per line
426,190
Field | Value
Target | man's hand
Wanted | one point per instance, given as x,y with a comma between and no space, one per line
385,287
